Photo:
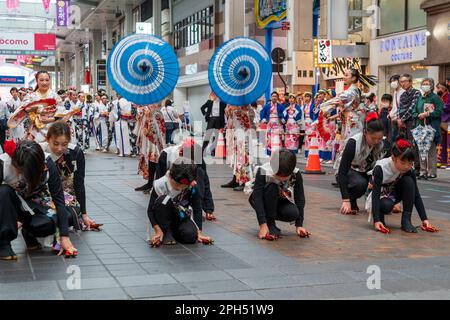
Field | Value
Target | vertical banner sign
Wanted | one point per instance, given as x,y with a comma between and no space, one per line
62,13
323,54
46,5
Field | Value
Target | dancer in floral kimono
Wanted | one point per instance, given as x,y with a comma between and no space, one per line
150,132
311,113
272,120
293,117
239,139
38,118
70,162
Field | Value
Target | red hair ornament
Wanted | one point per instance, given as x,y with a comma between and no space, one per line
10,148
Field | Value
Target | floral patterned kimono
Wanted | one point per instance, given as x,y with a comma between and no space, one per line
310,115
150,132
274,131
239,139
293,116
36,129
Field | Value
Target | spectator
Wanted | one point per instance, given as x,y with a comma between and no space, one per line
428,110
398,91
444,148
170,119
385,108
4,115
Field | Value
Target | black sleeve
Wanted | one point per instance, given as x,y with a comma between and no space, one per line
1,172
258,197
205,106
376,193
344,167
299,197
150,209
207,199
57,194
78,181
196,203
161,167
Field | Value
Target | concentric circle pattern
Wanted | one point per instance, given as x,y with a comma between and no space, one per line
143,69
240,71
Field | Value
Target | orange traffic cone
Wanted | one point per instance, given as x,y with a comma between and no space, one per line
313,164
220,148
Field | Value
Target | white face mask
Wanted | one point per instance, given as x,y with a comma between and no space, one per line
394,85
426,89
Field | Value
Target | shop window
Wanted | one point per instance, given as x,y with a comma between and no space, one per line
355,23
194,29
400,15
392,16
416,17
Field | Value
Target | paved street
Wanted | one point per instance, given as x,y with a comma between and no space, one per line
118,263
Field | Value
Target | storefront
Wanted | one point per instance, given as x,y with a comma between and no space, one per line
438,23
398,54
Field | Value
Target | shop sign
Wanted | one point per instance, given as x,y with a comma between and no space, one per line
400,49
340,65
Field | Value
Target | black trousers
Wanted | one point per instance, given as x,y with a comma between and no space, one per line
167,217
2,139
10,213
276,207
214,124
357,184
406,191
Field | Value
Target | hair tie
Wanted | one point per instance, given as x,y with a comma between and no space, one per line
371,116
184,181
10,148
402,144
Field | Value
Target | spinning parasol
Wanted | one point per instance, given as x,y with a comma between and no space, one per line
240,71
143,69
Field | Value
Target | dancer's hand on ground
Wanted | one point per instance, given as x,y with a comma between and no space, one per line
66,245
204,239
159,235
263,231
346,207
302,232
89,223
379,226
427,226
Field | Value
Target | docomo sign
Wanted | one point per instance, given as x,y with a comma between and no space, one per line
16,41
27,41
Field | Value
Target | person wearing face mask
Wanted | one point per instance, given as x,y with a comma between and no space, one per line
393,181
428,110
444,149
359,156
398,91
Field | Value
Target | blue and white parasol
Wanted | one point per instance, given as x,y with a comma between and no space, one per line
143,69
240,71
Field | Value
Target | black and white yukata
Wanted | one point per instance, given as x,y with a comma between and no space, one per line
16,205
274,200
176,212
168,156
390,187
356,161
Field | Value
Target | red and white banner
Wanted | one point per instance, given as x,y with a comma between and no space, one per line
24,43
46,5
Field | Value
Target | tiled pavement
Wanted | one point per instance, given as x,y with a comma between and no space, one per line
118,264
